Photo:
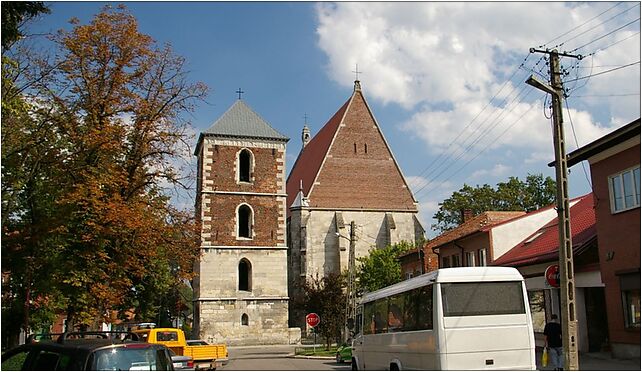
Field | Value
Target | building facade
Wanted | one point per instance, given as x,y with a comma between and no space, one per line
346,173
241,278
540,250
615,175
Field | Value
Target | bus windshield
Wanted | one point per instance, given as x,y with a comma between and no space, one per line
482,298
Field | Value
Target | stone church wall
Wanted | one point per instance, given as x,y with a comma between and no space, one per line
267,322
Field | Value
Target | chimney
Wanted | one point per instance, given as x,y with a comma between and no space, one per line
305,135
466,214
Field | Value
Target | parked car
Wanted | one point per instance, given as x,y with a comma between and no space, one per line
182,362
88,351
344,353
204,356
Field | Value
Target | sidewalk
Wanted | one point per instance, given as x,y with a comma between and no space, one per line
597,362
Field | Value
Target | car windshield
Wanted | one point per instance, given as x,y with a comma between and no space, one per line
138,358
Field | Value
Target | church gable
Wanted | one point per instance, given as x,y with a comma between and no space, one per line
359,170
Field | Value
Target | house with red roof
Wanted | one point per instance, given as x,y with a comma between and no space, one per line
476,242
540,250
345,173
615,176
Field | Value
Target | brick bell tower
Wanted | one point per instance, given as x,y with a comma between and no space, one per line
240,288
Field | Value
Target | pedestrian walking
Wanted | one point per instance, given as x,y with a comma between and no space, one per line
553,341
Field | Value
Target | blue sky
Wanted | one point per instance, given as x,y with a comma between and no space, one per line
442,79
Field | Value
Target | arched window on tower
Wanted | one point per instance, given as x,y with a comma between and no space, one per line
244,219
245,275
245,165
245,320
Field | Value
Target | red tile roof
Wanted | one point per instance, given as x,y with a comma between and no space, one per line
543,245
312,156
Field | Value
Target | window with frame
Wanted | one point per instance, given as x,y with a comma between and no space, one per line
481,257
624,190
245,275
245,166
244,218
445,262
537,303
630,287
455,260
470,258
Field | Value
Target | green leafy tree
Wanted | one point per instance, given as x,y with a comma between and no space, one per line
512,195
14,15
380,268
326,297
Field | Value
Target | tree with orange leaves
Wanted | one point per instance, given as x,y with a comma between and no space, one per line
113,103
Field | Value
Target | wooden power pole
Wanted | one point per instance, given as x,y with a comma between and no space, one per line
567,272
351,300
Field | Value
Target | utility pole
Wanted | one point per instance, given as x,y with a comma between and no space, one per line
567,272
351,293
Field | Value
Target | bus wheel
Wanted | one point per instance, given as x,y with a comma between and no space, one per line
394,367
354,365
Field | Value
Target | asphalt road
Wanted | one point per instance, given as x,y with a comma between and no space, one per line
275,358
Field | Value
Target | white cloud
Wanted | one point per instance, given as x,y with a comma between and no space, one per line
497,170
445,61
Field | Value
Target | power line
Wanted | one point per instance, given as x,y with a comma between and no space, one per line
486,147
443,155
599,24
479,137
605,35
577,145
576,27
615,43
603,72
608,95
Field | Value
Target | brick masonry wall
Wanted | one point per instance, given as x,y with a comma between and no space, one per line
220,304
362,178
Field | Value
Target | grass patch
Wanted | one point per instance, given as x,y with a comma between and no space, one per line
320,351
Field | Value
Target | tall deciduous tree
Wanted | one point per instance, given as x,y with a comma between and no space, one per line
512,195
105,135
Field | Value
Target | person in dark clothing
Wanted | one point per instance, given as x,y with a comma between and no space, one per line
553,337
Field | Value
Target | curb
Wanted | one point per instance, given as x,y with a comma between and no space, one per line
292,355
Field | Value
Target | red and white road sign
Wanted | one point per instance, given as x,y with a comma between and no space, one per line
312,319
552,275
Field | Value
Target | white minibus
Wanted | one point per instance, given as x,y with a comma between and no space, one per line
466,318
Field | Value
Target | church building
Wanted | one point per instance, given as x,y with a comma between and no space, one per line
345,173
240,286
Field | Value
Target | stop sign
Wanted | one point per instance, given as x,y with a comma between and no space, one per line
552,275
312,319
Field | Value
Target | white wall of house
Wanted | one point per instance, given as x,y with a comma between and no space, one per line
508,235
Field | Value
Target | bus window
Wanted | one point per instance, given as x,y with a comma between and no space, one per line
381,316
395,313
424,304
411,299
368,318
482,298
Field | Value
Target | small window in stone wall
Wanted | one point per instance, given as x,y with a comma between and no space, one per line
245,275
245,320
245,165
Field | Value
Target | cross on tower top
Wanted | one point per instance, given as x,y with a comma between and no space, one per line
305,119
357,72
239,92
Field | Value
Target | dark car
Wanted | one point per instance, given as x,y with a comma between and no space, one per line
98,351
